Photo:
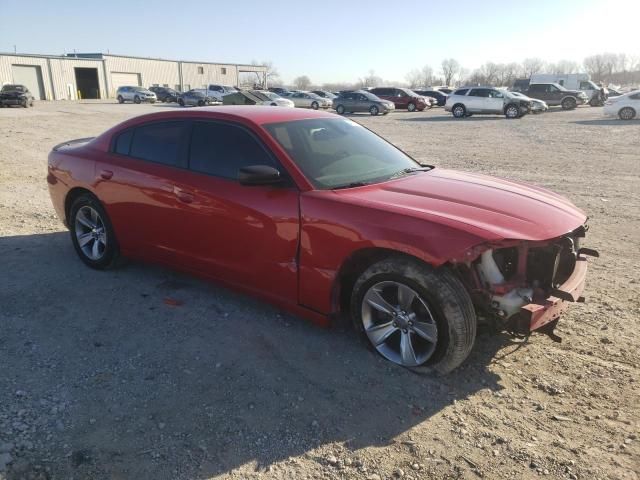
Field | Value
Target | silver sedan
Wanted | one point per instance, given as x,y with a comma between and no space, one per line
309,100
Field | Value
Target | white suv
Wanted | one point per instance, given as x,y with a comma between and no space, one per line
135,95
464,102
219,91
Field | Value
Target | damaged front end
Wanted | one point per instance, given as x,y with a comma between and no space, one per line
526,285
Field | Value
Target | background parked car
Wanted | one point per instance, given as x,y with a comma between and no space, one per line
219,91
403,98
324,94
537,106
195,98
625,107
446,90
16,95
362,101
465,102
279,91
135,95
309,100
552,93
441,98
165,94
273,99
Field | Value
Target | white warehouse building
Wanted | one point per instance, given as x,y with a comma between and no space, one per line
98,75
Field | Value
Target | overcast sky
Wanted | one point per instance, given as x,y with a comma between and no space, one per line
329,41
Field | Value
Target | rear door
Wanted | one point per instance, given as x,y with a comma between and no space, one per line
475,99
140,184
243,235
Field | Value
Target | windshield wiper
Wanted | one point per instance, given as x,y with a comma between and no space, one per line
351,185
407,171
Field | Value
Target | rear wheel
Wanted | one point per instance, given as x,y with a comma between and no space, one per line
120,99
91,233
414,315
181,102
340,110
374,110
411,107
627,113
569,103
459,111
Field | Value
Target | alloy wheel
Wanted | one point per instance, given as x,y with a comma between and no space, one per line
627,113
399,323
90,232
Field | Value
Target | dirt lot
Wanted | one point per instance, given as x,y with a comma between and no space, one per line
101,379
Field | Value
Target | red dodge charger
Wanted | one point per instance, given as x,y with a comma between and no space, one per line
322,217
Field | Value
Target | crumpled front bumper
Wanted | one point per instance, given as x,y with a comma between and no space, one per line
538,314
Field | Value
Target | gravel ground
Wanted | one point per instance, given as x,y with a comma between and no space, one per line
102,378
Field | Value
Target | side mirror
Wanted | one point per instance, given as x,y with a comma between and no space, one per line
259,175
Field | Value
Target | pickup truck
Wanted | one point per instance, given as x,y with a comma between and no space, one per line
554,94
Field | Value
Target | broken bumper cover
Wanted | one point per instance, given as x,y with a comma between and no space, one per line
538,314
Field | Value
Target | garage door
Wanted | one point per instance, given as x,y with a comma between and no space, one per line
121,79
31,77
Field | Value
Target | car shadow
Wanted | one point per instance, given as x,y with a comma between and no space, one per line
606,122
451,118
153,372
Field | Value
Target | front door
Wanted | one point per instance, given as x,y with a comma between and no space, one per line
243,235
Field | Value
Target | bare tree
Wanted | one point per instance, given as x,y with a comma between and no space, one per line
414,77
563,67
272,75
531,66
595,66
302,82
450,70
370,80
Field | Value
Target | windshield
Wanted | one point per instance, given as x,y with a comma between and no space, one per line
271,95
260,95
6,88
371,96
335,153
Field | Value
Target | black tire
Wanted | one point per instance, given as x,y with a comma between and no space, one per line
201,103
374,110
627,113
411,107
181,102
512,111
447,299
25,104
111,251
120,99
340,109
315,105
459,110
136,99
569,103
31,103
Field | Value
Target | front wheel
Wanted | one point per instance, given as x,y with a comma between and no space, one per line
627,113
120,99
459,111
136,99
181,102
512,111
414,315
340,110
92,234
201,103
374,110
411,107
569,103
315,105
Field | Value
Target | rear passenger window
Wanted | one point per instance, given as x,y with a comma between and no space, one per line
462,91
158,142
221,150
123,142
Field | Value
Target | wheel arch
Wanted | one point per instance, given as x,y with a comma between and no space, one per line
71,197
354,266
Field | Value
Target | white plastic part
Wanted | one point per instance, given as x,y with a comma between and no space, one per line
489,269
510,302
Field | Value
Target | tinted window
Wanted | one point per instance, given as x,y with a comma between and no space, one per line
635,96
158,142
537,88
480,92
123,142
221,150
462,91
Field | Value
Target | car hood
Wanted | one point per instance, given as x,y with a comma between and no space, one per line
489,207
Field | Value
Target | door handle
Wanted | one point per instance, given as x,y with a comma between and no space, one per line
183,196
106,174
